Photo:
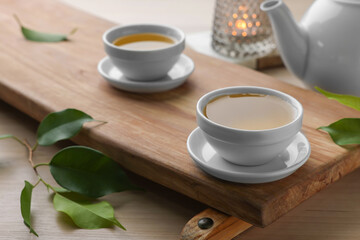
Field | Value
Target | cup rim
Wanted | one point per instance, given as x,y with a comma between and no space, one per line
116,28
222,91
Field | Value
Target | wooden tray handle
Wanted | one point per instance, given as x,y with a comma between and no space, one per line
211,224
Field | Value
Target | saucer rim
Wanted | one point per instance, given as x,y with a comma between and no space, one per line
275,173
173,83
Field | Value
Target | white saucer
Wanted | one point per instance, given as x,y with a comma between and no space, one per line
176,76
285,164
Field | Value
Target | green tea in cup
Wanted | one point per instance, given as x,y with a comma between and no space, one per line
250,111
144,41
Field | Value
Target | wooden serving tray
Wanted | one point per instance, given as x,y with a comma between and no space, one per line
147,133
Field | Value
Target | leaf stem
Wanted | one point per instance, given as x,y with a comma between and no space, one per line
35,146
17,20
31,151
27,145
15,138
41,164
73,31
37,183
100,121
47,185
35,166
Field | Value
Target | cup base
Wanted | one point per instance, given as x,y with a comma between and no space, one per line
286,163
175,77
247,155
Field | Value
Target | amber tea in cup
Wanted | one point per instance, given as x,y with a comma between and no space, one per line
144,41
250,111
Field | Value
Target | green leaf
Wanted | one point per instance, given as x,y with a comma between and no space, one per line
348,100
345,131
37,36
61,190
88,172
86,214
61,125
25,203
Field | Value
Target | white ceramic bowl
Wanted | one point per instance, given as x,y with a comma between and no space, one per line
248,147
144,65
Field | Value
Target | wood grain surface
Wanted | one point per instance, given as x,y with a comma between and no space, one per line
147,133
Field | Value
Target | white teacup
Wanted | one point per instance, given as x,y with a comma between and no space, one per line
144,65
248,147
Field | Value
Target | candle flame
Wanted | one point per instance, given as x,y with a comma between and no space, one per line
235,15
230,24
240,24
257,23
244,34
245,16
233,33
254,15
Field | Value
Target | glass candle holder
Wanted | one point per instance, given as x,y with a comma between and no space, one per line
241,30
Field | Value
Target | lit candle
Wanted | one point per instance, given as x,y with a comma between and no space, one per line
242,23
241,30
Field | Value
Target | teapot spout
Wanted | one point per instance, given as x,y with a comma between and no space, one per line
290,37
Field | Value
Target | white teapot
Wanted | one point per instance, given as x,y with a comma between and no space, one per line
324,48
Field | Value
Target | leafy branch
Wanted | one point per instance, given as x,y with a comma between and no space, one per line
83,173
345,131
